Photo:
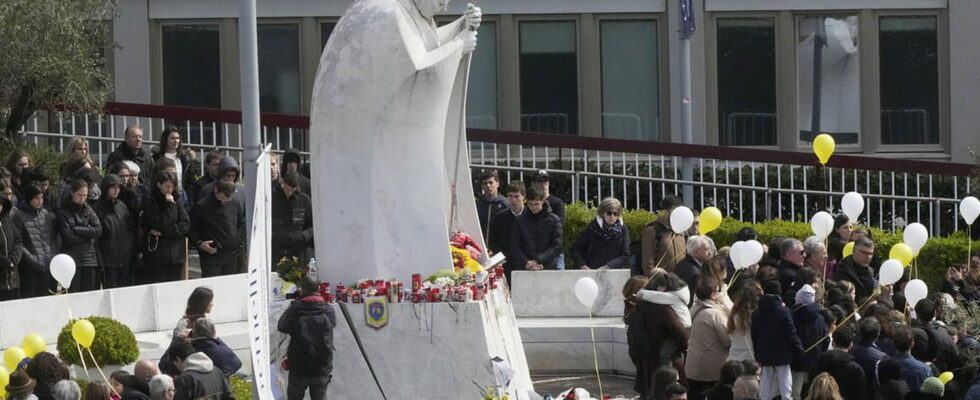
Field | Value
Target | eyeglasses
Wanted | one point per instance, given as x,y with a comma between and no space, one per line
612,213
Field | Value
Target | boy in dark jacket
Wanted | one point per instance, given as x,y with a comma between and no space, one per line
292,220
205,339
841,365
309,322
811,328
198,377
218,231
503,225
117,241
866,352
490,202
35,225
775,342
536,241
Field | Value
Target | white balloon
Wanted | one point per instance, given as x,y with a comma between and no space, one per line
753,252
822,224
681,219
586,291
853,205
915,235
970,209
736,254
915,290
891,271
63,269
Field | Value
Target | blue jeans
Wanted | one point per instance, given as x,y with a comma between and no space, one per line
561,261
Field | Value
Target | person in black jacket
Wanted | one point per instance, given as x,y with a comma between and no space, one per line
117,242
79,228
205,339
489,203
503,225
292,220
131,149
10,249
309,322
699,249
166,223
542,182
841,365
291,161
211,162
35,225
229,171
218,231
810,327
775,342
791,251
536,241
605,242
857,270
932,343
866,352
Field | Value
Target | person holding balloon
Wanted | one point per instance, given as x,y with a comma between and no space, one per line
662,247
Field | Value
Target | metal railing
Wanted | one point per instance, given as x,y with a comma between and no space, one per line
749,184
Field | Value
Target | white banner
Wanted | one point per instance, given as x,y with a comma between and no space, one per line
259,254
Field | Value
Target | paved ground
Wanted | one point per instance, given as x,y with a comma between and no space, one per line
614,385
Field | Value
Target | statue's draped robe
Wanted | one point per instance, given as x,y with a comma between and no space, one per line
384,155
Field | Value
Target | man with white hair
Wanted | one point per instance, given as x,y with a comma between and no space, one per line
791,252
699,249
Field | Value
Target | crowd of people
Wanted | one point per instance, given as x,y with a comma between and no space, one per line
139,221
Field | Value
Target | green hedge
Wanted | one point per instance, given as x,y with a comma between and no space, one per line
937,255
114,344
241,388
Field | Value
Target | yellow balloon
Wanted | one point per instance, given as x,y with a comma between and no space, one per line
848,249
33,344
12,357
945,377
902,252
4,380
823,147
84,332
710,220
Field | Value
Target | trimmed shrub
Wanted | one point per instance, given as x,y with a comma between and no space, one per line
114,344
241,388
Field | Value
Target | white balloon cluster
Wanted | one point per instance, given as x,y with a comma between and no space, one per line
744,254
63,269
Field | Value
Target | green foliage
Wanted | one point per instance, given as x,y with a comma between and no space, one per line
53,56
114,344
82,384
241,388
45,156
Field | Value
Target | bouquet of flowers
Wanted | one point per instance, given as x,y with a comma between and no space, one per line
290,269
465,252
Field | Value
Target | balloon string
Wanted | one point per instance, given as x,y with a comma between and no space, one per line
595,354
840,324
81,356
102,373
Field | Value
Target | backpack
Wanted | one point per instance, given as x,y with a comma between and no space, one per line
313,342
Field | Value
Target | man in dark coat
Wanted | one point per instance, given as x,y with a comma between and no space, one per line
218,231
542,182
841,365
856,269
490,202
228,170
10,249
198,377
292,220
503,225
205,339
117,244
812,330
211,163
309,322
536,241
775,342
291,161
866,352
35,225
699,250
932,343
791,251
132,149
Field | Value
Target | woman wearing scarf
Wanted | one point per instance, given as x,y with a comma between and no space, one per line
665,320
604,243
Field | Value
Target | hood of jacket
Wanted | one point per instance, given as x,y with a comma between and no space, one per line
109,180
198,362
291,155
228,163
310,305
806,313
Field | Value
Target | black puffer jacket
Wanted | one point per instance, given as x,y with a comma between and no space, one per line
118,232
36,228
292,225
10,249
596,246
171,220
79,228
536,237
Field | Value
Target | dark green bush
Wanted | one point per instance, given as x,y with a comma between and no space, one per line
114,344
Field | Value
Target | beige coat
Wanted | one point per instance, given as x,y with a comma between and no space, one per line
661,246
709,341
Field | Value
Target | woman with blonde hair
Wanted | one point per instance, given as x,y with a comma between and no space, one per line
605,242
77,151
824,387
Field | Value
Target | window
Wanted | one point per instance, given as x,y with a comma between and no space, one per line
326,28
279,68
909,65
481,95
549,77
630,89
746,82
827,73
191,65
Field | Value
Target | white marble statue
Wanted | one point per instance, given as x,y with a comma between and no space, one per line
388,158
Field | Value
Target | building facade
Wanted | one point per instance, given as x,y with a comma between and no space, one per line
885,77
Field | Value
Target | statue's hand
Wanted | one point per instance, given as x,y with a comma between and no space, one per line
469,41
473,15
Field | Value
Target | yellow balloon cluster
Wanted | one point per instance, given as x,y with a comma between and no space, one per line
823,147
12,356
84,332
902,252
33,344
710,220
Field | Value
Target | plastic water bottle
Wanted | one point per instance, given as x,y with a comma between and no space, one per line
312,268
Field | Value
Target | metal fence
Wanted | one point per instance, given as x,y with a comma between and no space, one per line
749,184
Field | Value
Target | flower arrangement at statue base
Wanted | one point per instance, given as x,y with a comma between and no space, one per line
291,270
443,286
465,253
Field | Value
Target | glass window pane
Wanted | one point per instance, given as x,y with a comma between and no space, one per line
630,90
279,68
191,65
481,95
549,77
326,28
909,80
746,82
827,76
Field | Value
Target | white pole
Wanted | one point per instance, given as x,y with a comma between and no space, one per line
251,138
